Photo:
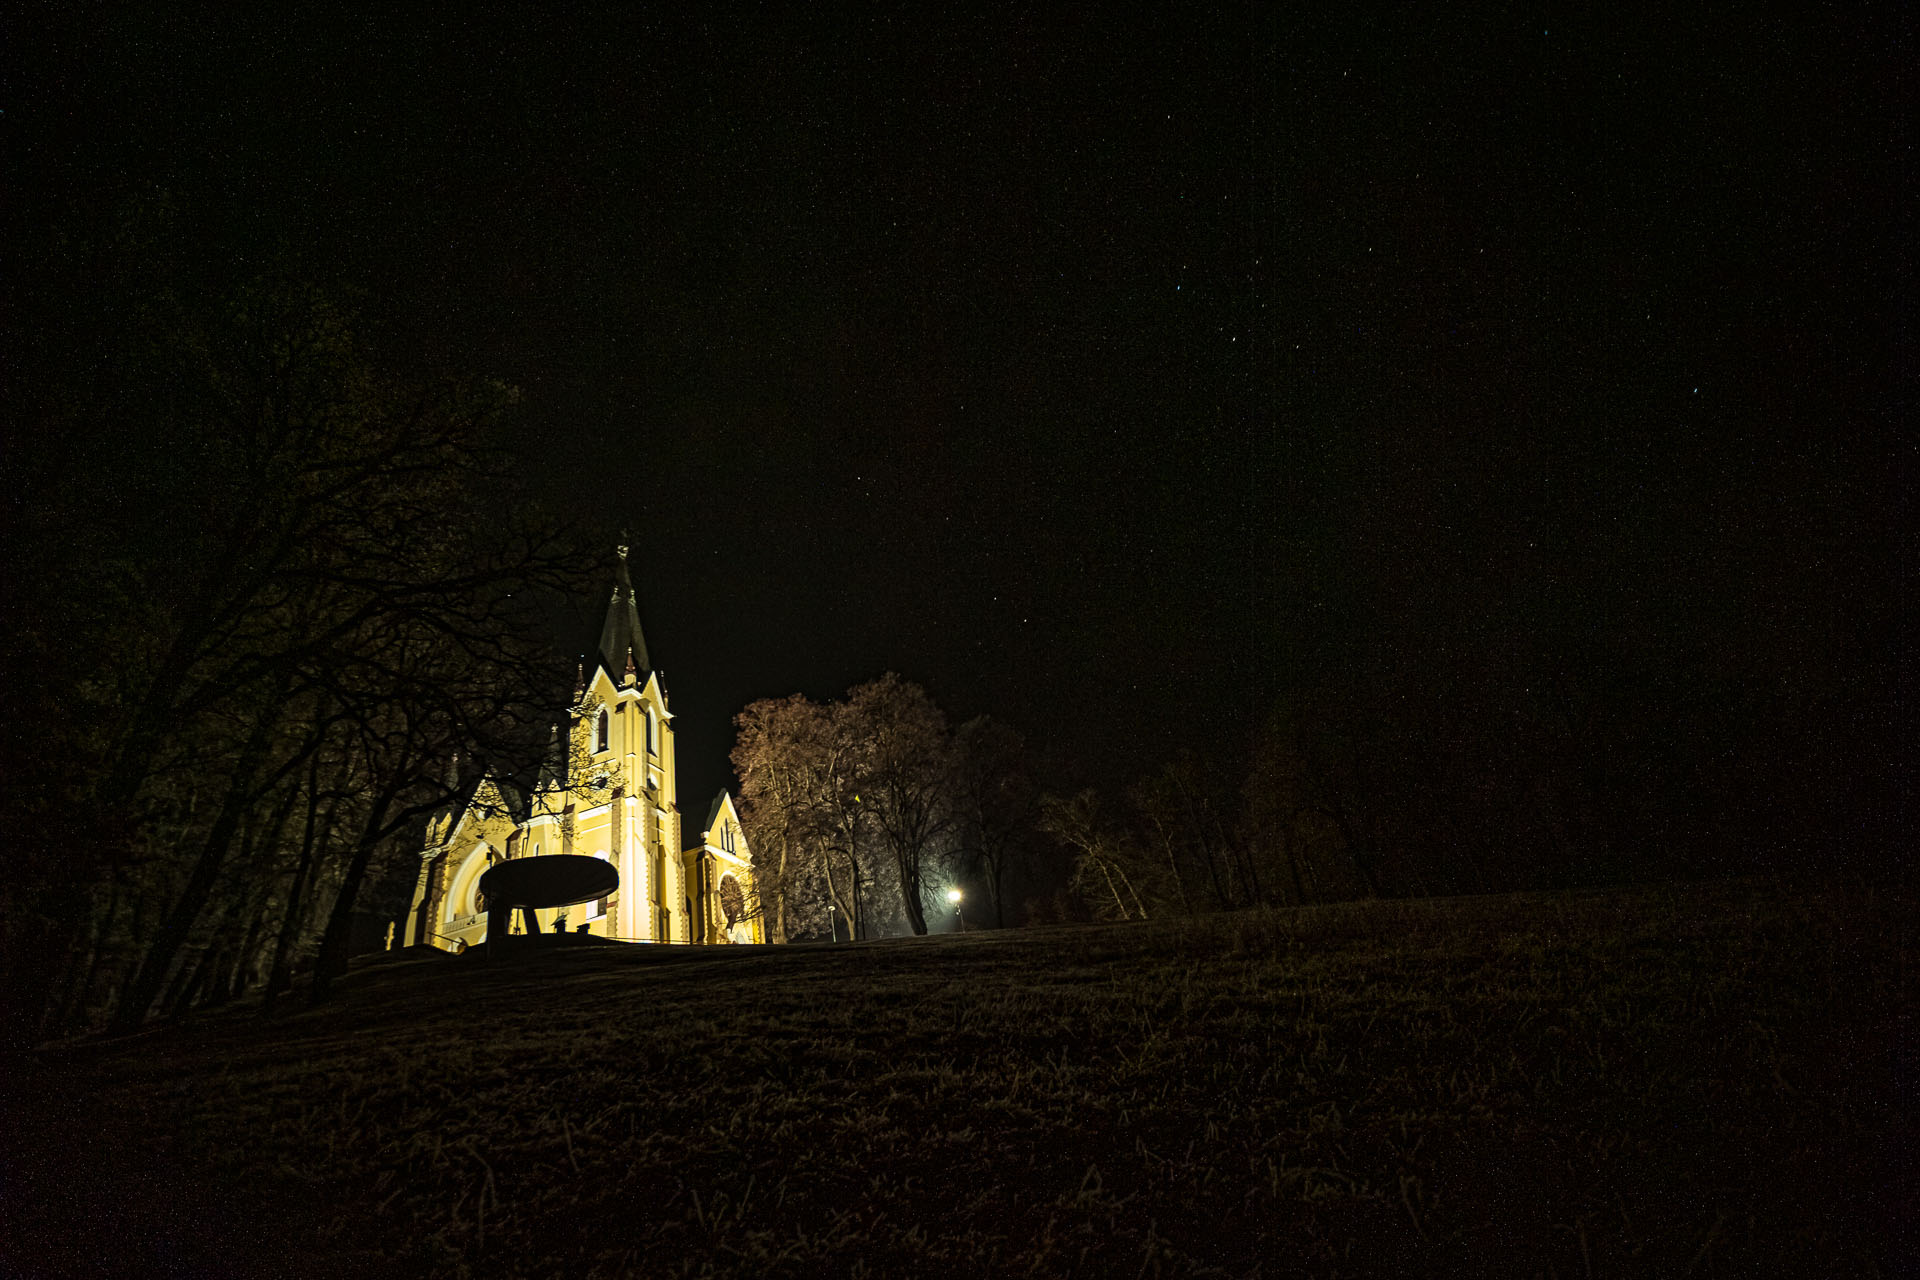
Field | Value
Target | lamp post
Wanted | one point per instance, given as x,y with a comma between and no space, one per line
959,921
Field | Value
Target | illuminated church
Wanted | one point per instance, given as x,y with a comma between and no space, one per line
607,789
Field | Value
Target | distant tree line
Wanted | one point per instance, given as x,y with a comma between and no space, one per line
1470,772
1466,771
266,590
860,811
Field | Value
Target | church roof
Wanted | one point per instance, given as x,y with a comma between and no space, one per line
713,814
621,640
464,792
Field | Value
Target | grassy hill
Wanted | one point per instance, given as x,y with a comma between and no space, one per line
1704,1080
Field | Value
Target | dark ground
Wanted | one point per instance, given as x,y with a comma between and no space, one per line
1694,1080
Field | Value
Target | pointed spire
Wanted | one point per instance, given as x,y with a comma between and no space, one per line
449,808
553,769
622,646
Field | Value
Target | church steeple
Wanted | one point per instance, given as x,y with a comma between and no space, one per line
553,767
621,642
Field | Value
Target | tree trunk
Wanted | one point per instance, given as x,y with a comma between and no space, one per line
1222,894
246,960
856,921
185,978
780,887
200,975
1173,869
1290,855
1131,891
280,972
178,924
996,894
1113,889
331,963
910,896
84,966
206,968
1362,861
219,988
833,897
1242,853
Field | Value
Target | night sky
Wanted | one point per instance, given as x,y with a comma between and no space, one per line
1111,374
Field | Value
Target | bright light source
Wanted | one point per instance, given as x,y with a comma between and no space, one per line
953,896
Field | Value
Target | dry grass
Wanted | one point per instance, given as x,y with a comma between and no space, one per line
1692,1080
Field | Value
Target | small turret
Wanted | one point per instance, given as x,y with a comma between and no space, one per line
553,766
440,822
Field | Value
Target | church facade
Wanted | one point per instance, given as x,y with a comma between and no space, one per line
607,789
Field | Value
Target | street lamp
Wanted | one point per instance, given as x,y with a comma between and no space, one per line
954,896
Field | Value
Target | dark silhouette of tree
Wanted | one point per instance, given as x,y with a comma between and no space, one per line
1106,865
995,803
1188,824
847,847
906,778
777,744
287,562
802,768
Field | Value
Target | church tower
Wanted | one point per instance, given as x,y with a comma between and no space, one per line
615,794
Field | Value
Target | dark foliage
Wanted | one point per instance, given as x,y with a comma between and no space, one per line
268,589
